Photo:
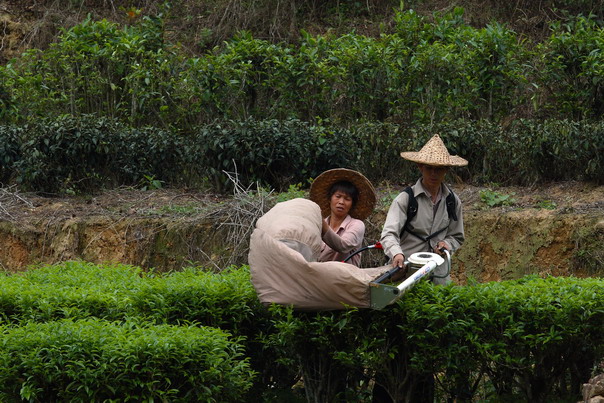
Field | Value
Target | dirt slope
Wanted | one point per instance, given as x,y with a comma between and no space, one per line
556,229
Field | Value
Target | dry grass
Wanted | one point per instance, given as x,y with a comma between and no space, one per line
238,217
10,199
199,26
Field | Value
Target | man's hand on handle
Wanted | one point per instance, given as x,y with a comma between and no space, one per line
441,247
398,260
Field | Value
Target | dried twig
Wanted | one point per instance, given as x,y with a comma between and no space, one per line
239,217
10,197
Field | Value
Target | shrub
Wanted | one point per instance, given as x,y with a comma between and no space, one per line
74,290
422,71
10,152
97,67
86,153
273,153
78,290
95,360
526,339
531,339
572,68
67,153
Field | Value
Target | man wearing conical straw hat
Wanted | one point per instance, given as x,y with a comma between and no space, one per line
436,214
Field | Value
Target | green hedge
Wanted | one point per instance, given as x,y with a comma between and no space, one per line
86,154
89,153
271,152
78,290
72,290
95,360
530,339
10,151
527,340
419,70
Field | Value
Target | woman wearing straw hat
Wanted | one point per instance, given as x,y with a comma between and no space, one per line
437,220
346,198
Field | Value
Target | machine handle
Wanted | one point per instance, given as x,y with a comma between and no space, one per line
387,275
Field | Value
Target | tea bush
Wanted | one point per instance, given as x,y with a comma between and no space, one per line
571,59
526,340
73,290
66,153
271,152
529,339
10,152
86,154
79,290
95,360
418,71
97,67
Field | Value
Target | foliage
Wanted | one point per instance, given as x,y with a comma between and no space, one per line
71,290
573,66
529,339
85,154
10,151
276,153
547,204
493,198
77,290
421,71
96,360
525,152
293,192
511,337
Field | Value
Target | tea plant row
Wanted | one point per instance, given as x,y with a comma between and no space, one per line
417,71
86,154
68,329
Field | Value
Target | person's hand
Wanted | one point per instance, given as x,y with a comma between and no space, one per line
398,260
324,228
440,246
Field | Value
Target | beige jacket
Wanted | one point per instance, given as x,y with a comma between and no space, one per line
425,223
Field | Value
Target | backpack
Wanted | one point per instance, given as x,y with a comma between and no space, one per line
412,212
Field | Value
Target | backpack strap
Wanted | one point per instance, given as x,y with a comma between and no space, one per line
451,204
412,206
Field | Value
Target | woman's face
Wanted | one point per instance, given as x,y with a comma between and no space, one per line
340,204
433,176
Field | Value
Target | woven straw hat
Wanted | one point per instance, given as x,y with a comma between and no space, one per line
434,153
319,191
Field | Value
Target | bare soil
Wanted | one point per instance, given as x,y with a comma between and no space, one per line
554,229
31,208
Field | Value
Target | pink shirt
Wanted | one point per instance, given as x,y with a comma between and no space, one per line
340,244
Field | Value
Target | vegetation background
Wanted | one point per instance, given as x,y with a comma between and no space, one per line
97,94
282,91
228,96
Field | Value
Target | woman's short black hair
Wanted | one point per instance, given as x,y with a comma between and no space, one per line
345,187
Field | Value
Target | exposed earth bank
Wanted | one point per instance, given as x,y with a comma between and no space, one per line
556,229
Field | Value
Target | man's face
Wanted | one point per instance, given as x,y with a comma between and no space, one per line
433,175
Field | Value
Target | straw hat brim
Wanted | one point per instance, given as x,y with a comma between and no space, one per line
319,191
434,153
452,161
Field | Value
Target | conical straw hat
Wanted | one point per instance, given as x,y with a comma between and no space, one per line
434,153
319,191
